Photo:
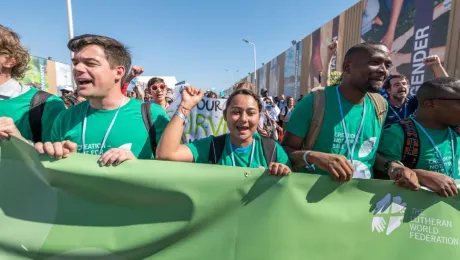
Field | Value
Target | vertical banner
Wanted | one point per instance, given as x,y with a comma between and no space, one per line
412,30
321,39
274,74
36,75
292,71
315,63
63,76
335,36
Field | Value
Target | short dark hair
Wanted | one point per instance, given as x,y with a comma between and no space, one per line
437,88
115,52
387,84
243,92
154,80
368,47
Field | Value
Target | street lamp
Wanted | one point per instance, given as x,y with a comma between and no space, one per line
255,60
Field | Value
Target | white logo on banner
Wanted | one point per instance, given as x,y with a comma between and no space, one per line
389,215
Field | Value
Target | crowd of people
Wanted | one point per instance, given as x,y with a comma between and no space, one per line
365,127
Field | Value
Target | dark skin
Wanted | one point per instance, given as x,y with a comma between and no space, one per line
439,114
363,71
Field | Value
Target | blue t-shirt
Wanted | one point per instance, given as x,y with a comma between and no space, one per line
398,113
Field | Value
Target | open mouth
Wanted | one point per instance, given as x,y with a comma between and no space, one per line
242,128
83,82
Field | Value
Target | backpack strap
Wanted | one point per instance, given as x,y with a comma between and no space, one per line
456,129
411,148
269,148
149,126
36,109
380,106
216,148
319,107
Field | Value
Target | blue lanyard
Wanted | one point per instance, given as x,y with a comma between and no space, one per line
351,147
451,174
397,114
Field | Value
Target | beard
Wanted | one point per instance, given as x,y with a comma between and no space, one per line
399,96
374,87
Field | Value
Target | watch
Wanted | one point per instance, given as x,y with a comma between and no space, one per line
387,166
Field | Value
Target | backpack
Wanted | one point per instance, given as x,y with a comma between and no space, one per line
319,107
36,109
150,127
411,148
218,143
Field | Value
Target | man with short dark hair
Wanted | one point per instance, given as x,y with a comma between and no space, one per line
346,142
427,143
402,106
26,113
108,124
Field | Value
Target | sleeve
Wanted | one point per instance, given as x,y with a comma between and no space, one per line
53,107
200,149
160,120
300,119
391,143
56,129
281,156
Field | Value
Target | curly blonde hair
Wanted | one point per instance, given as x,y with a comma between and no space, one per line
10,45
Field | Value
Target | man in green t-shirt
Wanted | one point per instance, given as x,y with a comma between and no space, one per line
108,124
437,163
16,116
347,143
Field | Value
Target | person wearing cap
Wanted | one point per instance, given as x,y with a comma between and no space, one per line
396,88
66,91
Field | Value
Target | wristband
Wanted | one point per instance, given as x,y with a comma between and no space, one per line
308,165
387,166
184,107
182,116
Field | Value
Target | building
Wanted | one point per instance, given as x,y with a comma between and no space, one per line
423,28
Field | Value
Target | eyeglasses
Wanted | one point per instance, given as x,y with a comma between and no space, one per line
155,87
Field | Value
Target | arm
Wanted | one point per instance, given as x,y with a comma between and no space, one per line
444,185
331,51
169,147
434,62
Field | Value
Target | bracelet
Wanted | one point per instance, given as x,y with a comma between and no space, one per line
387,165
184,107
307,165
182,116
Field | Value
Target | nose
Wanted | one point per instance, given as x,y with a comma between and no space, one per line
383,69
78,68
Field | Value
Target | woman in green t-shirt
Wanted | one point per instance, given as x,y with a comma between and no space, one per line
242,147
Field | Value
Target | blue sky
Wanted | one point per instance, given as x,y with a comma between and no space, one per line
195,41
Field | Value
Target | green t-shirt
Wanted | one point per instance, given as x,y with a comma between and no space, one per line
128,131
18,109
392,144
331,138
200,150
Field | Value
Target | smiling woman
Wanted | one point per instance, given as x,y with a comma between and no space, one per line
242,147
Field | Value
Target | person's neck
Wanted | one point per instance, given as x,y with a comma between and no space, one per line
396,103
109,102
162,103
240,143
352,94
4,76
427,121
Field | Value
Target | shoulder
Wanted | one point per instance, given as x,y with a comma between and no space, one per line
394,130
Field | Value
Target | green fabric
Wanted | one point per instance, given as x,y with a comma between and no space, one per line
160,210
331,138
18,109
127,132
392,144
200,150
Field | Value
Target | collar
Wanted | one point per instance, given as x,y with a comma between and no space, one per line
11,89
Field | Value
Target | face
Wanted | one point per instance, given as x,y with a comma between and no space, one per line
446,111
158,91
6,62
368,70
93,74
66,93
169,91
268,104
399,89
242,117
282,97
291,102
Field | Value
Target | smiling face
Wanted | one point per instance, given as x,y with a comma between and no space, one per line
242,116
93,74
158,91
368,68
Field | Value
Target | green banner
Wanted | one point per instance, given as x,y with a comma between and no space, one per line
74,209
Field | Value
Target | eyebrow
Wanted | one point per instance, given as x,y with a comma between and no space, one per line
84,59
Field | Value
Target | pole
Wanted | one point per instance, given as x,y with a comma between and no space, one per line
70,21
255,65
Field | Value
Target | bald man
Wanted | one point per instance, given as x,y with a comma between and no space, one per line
426,143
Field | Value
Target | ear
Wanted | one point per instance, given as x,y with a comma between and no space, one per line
120,73
346,66
10,62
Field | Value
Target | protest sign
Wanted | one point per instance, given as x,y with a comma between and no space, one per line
144,209
205,119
